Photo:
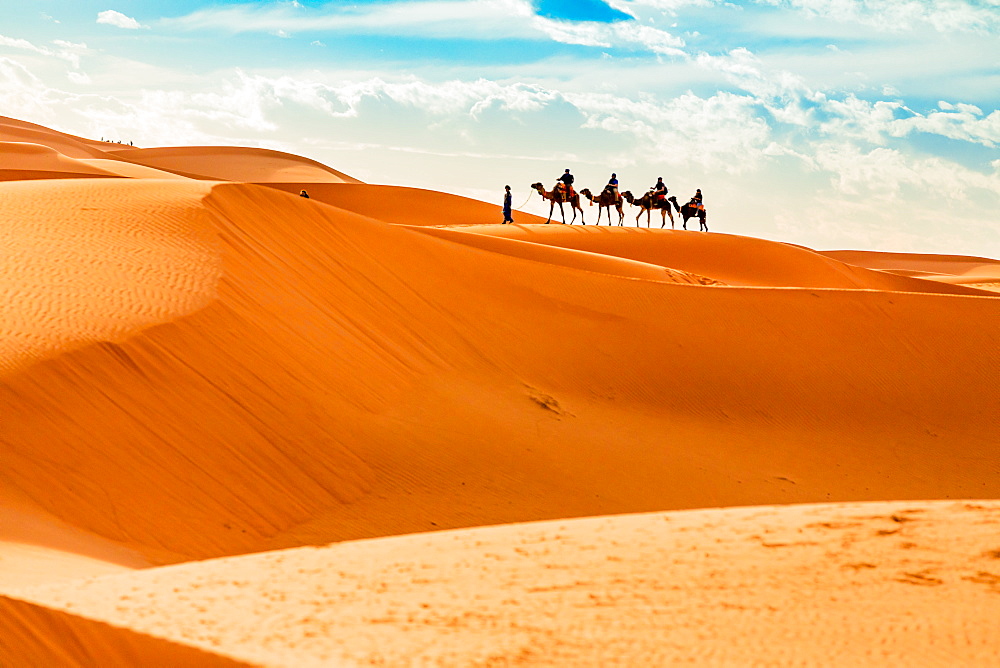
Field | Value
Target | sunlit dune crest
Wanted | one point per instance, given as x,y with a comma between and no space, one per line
197,363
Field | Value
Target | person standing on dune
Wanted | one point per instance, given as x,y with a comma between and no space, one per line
507,214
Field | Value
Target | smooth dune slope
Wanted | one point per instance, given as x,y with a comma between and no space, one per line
902,583
234,163
354,379
23,160
14,130
734,260
976,272
405,206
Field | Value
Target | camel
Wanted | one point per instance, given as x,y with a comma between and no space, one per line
606,200
647,204
554,199
689,210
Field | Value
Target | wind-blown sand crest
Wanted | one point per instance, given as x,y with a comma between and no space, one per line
195,367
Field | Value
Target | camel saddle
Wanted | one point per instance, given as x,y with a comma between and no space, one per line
566,192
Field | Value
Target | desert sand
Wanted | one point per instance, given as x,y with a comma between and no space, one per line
376,427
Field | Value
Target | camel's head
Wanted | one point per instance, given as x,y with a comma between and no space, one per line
628,196
586,192
539,187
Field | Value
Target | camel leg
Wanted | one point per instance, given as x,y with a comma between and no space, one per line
552,208
703,220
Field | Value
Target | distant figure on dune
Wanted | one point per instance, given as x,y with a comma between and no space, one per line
303,193
507,217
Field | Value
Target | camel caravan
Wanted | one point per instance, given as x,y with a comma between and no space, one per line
610,198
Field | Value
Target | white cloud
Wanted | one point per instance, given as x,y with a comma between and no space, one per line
482,19
899,15
117,19
882,173
465,19
964,122
22,94
68,51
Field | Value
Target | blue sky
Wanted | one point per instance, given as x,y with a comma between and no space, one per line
830,123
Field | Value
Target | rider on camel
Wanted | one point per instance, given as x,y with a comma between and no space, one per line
659,191
565,184
613,187
696,200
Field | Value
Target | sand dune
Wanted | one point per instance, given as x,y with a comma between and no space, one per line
845,584
36,636
738,261
13,130
405,206
976,272
22,161
196,367
229,163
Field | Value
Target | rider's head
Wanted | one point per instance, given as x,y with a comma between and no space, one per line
567,171
613,175
659,178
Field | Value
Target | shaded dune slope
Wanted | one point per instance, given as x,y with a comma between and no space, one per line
34,635
351,378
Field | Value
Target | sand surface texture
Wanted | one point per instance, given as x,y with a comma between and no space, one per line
197,363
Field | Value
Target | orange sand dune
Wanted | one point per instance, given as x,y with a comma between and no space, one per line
732,259
407,206
576,259
977,272
36,636
21,160
350,378
942,264
195,368
231,163
13,130
903,583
